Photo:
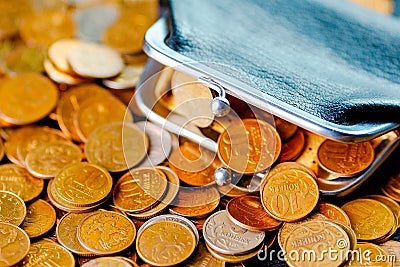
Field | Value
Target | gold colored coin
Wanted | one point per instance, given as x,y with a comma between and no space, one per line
233,258
27,98
47,160
106,232
250,147
12,143
290,195
83,184
1,149
15,179
350,233
285,128
12,208
58,53
41,29
165,243
393,250
11,15
317,236
42,135
370,255
333,212
95,112
116,146
25,59
70,103
128,78
345,159
67,233
140,189
107,261
195,202
390,203
172,191
48,253
193,164
61,77
287,228
40,218
14,244
94,60
202,257
370,219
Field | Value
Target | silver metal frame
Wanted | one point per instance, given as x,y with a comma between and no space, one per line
156,48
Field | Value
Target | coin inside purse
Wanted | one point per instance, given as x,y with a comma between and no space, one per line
156,82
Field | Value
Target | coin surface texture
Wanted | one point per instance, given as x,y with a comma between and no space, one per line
290,195
165,243
225,237
106,232
107,261
345,159
369,218
333,212
248,212
12,208
14,244
40,218
249,147
372,256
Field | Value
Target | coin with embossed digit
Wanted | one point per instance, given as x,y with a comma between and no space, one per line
195,202
12,208
290,195
344,159
116,146
172,218
70,103
172,191
48,253
317,237
140,189
106,232
15,179
14,244
287,228
83,184
333,212
45,27
193,164
27,98
225,237
67,233
249,147
97,111
248,212
94,60
107,261
160,144
165,243
42,135
48,159
369,218
40,218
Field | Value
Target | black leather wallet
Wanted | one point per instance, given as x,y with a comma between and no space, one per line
327,65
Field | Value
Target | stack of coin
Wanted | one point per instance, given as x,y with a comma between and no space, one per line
391,187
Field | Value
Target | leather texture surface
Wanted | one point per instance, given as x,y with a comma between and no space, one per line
329,58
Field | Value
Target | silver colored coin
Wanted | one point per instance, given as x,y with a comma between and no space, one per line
225,237
160,144
168,218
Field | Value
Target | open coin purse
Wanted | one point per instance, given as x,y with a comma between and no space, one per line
330,67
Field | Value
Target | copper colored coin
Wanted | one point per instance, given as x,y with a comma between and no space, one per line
194,165
195,202
292,149
345,159
248,212
334,213
249,147
285,128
